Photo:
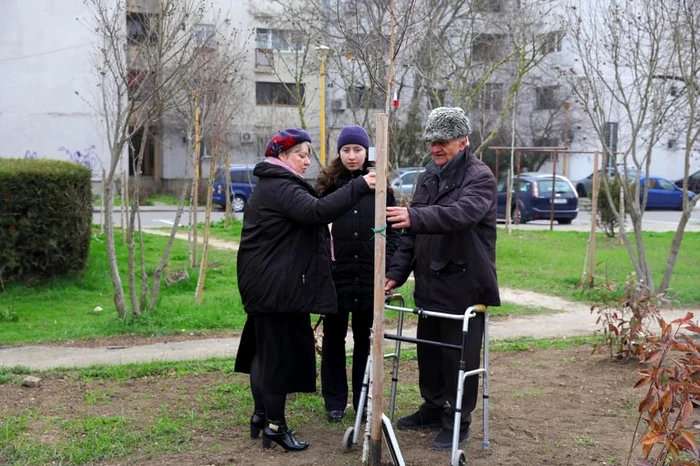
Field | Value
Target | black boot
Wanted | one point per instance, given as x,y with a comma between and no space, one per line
279,433
257,423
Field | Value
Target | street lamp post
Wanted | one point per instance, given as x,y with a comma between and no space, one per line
322,52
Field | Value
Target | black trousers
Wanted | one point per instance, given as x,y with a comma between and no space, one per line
334,380
438,368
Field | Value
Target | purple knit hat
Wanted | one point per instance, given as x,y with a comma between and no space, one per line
353,134
285,140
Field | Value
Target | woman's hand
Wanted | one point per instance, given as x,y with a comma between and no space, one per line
370,179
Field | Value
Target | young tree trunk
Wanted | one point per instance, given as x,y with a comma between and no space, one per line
133,289
131,276
199,293
228,215
195,189
158,273
143,301
119,302
675,248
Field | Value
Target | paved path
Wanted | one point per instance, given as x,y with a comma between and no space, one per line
572,319
575,319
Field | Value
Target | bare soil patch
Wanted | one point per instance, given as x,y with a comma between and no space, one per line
548,407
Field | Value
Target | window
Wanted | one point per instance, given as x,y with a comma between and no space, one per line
560,186
666,185
487,47
547,97
139,84
243,176
278,39
139,28
365,97
522,186
551,42
493,6
263,57
204,35
491,97
278,94
409,178
149,153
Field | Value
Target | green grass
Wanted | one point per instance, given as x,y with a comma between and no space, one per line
218,230
552,262
62,309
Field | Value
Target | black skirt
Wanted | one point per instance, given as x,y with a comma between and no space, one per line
285,347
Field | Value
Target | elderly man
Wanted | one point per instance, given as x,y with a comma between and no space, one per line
449,243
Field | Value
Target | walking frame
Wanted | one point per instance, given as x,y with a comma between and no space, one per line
457,457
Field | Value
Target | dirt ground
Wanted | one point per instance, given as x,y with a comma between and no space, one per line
548,407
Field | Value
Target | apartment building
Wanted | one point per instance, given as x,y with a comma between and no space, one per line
52,107
51,104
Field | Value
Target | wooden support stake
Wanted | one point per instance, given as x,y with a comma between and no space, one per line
594,218
379,272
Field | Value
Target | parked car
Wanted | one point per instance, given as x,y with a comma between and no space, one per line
533,196
584,186
663,194
693,182
242,184
404,182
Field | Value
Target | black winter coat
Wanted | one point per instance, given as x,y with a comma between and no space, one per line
451,245
353,244
284,256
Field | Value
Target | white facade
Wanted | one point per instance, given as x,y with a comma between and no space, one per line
48,99
50,104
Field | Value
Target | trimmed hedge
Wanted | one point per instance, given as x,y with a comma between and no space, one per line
45,218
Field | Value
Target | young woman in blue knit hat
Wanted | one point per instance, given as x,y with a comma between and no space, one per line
284,275
353,274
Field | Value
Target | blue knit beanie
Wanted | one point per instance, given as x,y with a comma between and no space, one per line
285,140
353,134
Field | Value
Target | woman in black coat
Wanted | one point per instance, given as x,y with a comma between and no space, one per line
284,275
353,274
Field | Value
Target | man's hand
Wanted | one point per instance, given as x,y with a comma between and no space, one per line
389,285
398,217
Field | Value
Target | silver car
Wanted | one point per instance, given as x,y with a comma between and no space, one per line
404,183
584,186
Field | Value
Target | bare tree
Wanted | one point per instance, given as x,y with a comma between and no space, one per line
142,57
625,50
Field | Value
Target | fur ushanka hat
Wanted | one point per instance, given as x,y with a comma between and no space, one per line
446,123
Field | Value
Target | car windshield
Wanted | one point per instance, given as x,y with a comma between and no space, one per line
522,186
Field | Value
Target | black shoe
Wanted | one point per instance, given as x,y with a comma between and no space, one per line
418,420
443,440
335,415
257,424
279,433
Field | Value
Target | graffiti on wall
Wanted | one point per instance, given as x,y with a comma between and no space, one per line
87,158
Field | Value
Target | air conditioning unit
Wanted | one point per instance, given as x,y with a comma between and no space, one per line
338,105
247,137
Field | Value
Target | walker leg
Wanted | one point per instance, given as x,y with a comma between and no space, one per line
363,401
395,368
486,443
392,442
